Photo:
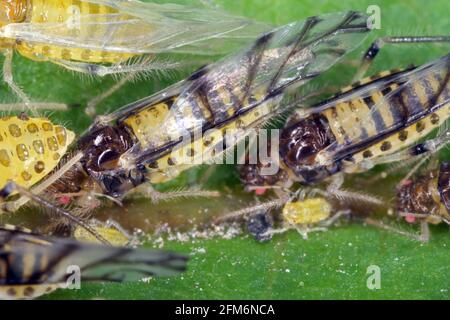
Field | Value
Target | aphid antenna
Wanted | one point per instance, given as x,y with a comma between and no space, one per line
357,197
381,225
265,206
12,186
417,166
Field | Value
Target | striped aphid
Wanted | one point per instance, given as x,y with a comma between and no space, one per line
32,265
378,120
101,37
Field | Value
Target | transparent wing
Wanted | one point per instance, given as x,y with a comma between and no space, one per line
137,27
57,259
286,57
419,90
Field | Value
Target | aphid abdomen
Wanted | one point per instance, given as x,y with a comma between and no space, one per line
308,211
69,11
30,148
419,109
208,146
388,118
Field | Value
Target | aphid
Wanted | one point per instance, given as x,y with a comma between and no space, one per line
308,211
373,122
426,199
101,37
32,265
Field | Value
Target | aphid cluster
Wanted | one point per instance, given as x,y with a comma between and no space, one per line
377,120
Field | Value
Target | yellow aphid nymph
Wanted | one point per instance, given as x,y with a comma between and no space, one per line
308,211
30,148
114,236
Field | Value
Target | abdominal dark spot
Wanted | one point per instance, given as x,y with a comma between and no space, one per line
434,118
420,126
403,135
367,154
386,145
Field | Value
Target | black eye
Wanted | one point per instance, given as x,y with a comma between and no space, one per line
106,157
305,151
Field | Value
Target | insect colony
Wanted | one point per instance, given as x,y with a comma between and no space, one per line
385,118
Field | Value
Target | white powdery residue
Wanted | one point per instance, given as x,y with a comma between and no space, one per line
198,251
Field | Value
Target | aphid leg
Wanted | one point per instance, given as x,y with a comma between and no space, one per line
381,225
92,104
376,46
156,196
12,186
415,168
26,104
9,79
394,168
304,231
336,183
272,232
324,225
424,231
338,215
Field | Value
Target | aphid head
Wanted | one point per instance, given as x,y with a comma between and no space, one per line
102,150
103,147
254,175
12,11
300,142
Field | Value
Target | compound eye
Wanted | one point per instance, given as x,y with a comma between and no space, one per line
108,159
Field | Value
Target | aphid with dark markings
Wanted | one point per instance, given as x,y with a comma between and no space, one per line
32,265
375,121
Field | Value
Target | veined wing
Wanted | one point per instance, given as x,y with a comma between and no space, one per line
283,58
33,259
139,27
418,93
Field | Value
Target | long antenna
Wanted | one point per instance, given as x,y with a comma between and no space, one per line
12,186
